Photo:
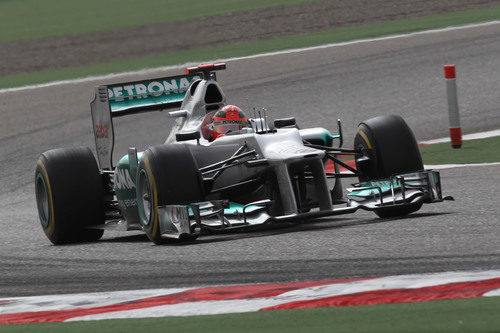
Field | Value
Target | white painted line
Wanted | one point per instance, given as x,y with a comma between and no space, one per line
74,301
450,166
260,55
188,309
495,292
472,136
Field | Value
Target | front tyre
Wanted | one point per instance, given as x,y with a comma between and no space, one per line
166,175
69,195
389,148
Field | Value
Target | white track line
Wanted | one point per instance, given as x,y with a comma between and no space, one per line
450,166
473,136
260,55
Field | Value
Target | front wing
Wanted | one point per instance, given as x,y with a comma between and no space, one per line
177,221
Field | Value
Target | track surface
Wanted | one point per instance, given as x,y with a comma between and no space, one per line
353,82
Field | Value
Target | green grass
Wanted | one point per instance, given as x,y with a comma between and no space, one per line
472,151
255,47
461,315
31,19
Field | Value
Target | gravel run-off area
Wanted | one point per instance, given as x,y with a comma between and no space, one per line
80,50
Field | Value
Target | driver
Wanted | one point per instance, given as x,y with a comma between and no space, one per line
229,118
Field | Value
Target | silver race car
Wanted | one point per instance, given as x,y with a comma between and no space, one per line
254,173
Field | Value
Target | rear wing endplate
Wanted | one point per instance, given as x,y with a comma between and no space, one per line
127,98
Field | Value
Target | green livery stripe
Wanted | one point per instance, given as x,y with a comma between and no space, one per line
234,209
385,185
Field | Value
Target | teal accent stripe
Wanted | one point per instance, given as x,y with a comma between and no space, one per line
148,93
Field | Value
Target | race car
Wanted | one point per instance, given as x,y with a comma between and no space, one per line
254,174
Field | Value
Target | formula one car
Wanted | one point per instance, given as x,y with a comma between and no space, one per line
264,173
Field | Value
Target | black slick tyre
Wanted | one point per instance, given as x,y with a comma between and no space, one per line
389,148
69,195
166,175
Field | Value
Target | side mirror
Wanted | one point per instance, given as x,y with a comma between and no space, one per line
285,122
195,135
178,114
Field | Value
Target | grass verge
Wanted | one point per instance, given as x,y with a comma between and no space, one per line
472,151
460,315
255,47
61,17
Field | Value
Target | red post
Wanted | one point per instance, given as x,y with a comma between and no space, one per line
453,115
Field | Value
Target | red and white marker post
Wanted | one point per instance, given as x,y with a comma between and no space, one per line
453,116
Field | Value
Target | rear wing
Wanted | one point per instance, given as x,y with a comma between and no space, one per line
127,98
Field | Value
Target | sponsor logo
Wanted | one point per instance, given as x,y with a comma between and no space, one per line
127,203
232,114
178,214
150,88
123,181
296,149
102,150
380,183
102,131
230,122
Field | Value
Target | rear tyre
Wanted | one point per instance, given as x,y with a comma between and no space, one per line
389,148
69,195
166,175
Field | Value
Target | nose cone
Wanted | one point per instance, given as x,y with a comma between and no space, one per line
287,145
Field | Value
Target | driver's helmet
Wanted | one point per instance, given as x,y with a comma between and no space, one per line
229,118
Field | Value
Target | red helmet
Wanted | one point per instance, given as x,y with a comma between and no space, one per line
230,118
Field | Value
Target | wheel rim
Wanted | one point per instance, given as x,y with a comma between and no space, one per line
145,198
42,200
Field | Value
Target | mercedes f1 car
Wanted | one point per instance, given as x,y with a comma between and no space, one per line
266,173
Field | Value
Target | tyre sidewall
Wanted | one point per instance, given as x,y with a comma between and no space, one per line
72,183
173,177
145,177
363,141
392,147
44,187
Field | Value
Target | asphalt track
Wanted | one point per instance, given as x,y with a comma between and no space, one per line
352,82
